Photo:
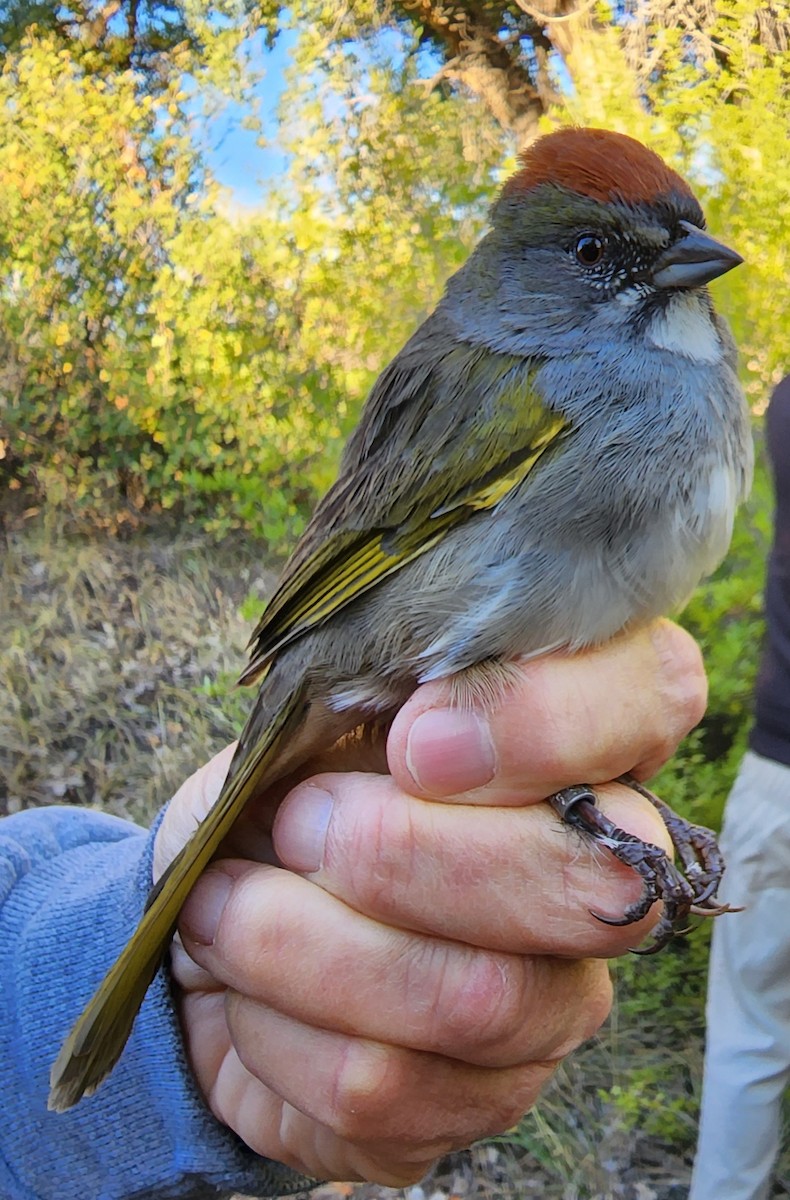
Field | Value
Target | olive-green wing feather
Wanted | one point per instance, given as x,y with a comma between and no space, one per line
101,1031
393,501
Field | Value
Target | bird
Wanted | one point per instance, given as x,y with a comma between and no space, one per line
555,456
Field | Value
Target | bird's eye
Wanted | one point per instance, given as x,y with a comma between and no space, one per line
589,249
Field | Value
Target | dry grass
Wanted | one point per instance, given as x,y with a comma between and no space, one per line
117,665
117,661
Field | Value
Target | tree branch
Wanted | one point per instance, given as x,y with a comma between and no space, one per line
480,59
94,30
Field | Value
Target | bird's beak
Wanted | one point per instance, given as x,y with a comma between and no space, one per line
693,260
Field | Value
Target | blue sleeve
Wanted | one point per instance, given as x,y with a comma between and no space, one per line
72,886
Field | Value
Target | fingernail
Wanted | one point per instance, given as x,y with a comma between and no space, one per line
450,751
301,826
201,915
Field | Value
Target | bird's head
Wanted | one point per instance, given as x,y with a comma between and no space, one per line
596,236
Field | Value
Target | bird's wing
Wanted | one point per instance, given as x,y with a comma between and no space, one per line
436,444
368,526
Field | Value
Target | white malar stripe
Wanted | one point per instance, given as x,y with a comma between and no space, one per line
686,327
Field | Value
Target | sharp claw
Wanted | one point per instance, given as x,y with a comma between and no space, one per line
686,889
664,932
709,891
714,910
652,948
624,920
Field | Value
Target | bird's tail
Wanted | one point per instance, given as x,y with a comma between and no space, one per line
95,1043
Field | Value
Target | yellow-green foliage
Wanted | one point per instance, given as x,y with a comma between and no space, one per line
147,352
161,350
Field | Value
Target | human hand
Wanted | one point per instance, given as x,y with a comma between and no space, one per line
415,984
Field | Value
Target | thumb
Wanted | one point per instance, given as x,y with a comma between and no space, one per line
554,721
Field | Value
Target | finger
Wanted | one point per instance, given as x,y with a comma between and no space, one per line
282,941
251,835
512,879
269,1124
353,1108
585,718
553,731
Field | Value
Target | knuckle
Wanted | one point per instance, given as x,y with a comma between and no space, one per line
241,1017
368,1082
504,1104
384,849
684,683
252,949
545,730
482,1004
504,1116
566,726
240,938
591,1006
521,1088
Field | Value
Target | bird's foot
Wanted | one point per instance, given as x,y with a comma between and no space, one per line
686,889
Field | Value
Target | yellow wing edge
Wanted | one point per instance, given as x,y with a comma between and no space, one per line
370,563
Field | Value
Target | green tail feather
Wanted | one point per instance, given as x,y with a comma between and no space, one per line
99,1035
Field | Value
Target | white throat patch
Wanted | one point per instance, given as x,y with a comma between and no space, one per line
686,327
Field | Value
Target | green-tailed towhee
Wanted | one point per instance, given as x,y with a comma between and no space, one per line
556,455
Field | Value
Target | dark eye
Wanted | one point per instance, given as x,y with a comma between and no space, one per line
590,249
